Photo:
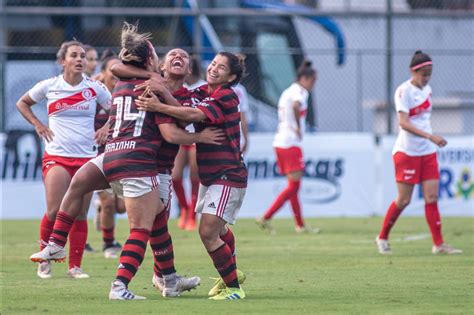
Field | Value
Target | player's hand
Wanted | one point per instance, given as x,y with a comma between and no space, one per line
212,135
438,140
155,84
44,132
148,102
101,135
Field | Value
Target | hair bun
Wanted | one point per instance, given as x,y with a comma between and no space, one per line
418,52
307,63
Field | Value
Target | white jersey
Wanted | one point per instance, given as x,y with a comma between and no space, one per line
416,103
71,114
286,135
241,92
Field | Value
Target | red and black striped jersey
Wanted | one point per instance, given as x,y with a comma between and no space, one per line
220,164
134,137
168,151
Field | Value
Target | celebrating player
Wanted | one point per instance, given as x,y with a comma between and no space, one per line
414,155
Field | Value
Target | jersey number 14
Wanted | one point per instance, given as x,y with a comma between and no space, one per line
123,113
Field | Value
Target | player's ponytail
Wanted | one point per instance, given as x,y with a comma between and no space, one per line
135,47
305,69
419,60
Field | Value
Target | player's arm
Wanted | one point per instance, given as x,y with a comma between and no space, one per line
24,107
296,111
171,133
245,131
124,71
404,122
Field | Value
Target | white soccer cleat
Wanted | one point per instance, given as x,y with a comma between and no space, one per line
77,273
158,282
50,252
265,225
307,230
44,270
119,291
383,246
113,251
174,285
445,249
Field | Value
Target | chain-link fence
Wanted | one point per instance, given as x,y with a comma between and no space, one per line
361,50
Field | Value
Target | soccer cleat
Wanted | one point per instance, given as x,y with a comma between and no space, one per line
182,219
112,251
158,282
174,285
307,230
229,294
88,248
190,225
219,284
383,246
265,225
77,273
119,291
445,249
44,270
50,252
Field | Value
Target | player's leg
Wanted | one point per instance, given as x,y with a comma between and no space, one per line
180,163
294,184
194,177
109,204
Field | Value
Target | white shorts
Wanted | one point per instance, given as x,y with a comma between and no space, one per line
99,162
166,190
135,186
219,200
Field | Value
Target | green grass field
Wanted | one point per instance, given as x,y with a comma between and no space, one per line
337,271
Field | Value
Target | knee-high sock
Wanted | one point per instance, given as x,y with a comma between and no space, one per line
77,242
224,263
295,206
46,228
132,255
434,221
162,246
286,194
229,239
179,190
194,196
390,218
108,236
61,229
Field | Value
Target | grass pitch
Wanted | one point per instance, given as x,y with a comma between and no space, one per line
337,271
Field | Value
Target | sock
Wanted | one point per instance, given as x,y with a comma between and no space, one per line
229,239
434,221
46,228
77,242
132,255
286,194
295,205
222,259
108,236
194,196
179,190
61,229
390,218
162,246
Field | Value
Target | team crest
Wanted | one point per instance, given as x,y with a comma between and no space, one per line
87,94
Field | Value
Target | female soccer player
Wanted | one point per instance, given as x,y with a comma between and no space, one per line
91,60
72,99
222,171
414,155
292,109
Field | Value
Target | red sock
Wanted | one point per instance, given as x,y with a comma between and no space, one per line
108,236
179,190
222,259
162,246
132,255
434,221
286,194
390,218
77,242
194,196
61,229
295,206
229,239
46,228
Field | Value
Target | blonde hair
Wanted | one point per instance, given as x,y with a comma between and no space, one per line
135,47
61,54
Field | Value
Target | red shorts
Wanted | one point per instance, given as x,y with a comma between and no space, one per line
71,165
290,160
188,147
415,169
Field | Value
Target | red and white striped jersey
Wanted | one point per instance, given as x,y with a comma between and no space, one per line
416,103
71,114
286,135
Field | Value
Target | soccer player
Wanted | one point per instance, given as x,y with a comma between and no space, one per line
222,171
72,99
292,110
91,60
414,155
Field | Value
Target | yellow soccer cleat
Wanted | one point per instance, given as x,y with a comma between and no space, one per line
229,294
219,284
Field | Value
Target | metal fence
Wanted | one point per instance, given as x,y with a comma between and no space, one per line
360,49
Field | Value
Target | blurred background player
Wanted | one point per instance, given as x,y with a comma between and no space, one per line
414,155
72,99
92,58
292,110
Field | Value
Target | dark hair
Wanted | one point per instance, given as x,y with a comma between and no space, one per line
135,47
106,62
106,54
305,70
236,65
195,66
419,58
61,54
